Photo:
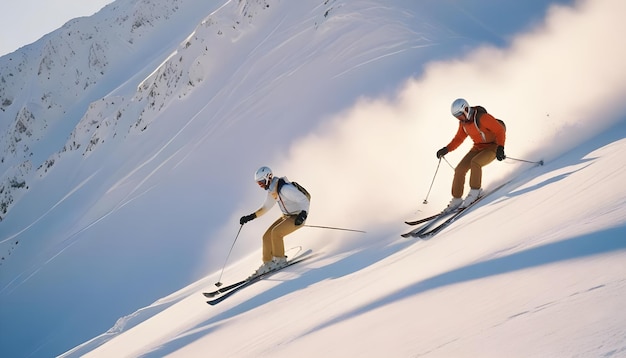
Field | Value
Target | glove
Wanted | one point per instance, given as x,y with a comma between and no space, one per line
441,152
244,219
500,153
300,218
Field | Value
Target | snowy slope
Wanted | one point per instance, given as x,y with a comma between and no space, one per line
549,284
142,194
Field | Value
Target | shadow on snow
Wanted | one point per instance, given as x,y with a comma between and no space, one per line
597,243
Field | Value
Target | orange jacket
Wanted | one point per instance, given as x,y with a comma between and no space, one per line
489,132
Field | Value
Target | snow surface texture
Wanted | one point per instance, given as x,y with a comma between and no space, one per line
129,140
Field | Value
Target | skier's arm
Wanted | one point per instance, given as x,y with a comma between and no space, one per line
458,138
269,203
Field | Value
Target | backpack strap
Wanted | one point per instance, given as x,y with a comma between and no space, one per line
279,185
478,112
475,114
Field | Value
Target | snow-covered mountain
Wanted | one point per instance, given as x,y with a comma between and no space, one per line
129,139
48,85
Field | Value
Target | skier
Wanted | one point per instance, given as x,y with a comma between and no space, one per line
292,202
488,135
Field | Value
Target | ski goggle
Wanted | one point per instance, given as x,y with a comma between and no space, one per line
264,182
464,110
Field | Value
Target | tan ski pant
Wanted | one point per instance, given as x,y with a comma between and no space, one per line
474,160
273,243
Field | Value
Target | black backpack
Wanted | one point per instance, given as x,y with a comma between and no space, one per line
282,181
480,110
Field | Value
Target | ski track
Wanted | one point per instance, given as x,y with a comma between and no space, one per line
74,190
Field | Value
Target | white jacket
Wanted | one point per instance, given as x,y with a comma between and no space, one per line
290,200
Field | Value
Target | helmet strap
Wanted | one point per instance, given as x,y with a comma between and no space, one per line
268,180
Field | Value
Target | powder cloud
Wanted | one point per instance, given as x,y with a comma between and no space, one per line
555,86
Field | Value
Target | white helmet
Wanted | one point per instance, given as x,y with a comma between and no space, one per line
263,175
460,106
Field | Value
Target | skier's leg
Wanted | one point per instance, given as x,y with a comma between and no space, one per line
481,159
458,183
279,231
268,251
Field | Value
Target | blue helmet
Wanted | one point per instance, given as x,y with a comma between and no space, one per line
460,106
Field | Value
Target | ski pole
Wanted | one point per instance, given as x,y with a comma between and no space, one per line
540,162
218,283
432,182
451,166
333,228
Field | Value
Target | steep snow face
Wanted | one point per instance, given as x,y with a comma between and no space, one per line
229,33
46,87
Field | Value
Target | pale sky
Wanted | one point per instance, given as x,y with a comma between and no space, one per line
26,21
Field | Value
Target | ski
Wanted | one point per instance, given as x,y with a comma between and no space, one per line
236,284
457,215
224,289
236,287
425,233
417,232
421,221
